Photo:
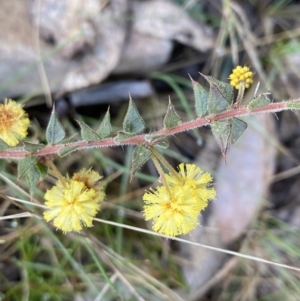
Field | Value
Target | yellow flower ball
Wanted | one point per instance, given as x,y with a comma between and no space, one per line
91,180
241,75
13,122
194,180
173,211
73,203
175,208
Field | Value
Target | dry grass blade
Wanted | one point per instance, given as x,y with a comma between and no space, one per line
243,28
237,254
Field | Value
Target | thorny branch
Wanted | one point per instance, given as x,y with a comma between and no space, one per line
48,150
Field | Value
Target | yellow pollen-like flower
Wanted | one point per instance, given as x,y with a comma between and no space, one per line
194,180
72,204
13,122
91,179
241,75
175,209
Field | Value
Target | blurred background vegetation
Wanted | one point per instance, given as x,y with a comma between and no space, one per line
90,56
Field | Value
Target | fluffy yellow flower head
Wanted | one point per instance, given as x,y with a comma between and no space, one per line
241,75
194,180
13,122
175,209
91,179
72,204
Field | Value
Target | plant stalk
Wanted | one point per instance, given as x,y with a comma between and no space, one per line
17,153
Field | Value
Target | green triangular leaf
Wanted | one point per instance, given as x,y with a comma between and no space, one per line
201,99
32,171
25,164
32,178
260,101
3,145
217,103
54,132
87,133
221,131
225,89
171,119
105,129
133,122
237,129
227,132
140,156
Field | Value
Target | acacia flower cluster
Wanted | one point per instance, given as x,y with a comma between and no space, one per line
241,75
175,206
73,203
13,122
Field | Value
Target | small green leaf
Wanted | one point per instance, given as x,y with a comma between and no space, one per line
260,101
25,164
237,129
227,132
32,147
140,156
3,145
29,168
104,129
171,119
133,122
201,99
66,150
54,132
122,136
87,133
43,170
217,103
224,88
293,105
32,178
221,131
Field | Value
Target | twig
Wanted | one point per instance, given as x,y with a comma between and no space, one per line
141,139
